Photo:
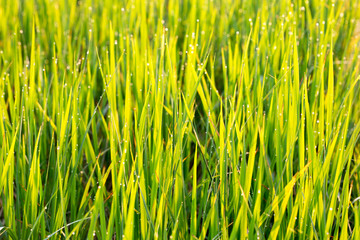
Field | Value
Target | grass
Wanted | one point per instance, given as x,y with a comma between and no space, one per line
192,119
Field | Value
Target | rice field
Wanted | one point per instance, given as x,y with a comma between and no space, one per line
190,119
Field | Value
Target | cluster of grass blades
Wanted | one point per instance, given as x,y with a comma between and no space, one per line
167,119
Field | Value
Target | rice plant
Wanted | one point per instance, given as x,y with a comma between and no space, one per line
191,119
